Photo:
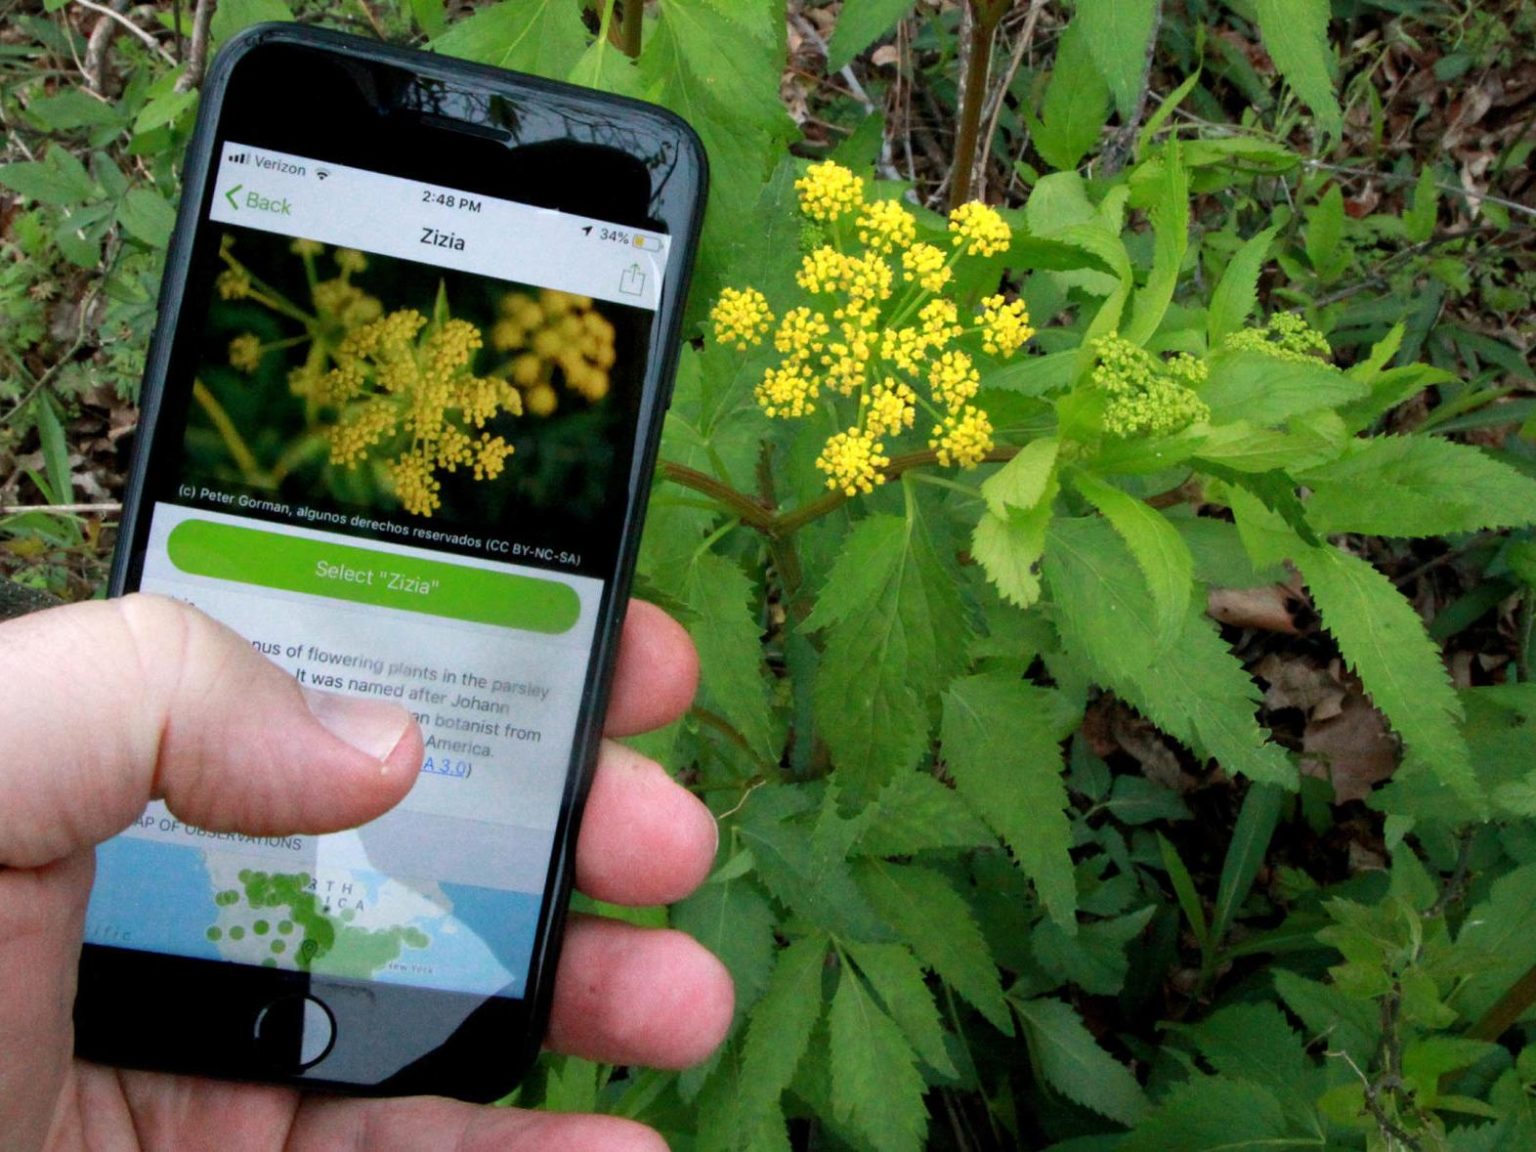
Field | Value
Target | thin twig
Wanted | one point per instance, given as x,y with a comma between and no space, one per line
1021,45
130,25
59,509
197,54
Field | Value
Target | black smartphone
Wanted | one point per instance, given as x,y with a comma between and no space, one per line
417,334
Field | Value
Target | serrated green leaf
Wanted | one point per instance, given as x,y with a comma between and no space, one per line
895,632
70,109
1023,482
1095,958
147,217
1161,554
1170,226
58,178
1417,486
165,108
1117,33
780,1028
1008,546
1325,234
543,37
801,858
916,813
1349,1025
1212,1114
1076,105
734,920
1136,800
1497,943
1243,448
1266,391
1251,1042
926,911
897,979
1197,692
859,25
1069,1059
1001,742
1383,639
716,599
1419,220
876,1088
230,16
1237,295
1296,34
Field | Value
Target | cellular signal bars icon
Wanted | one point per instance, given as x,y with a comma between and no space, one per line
239,157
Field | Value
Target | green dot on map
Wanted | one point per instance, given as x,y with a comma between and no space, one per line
348,915
215,933
237,933
285,926
278,947
269,963
416,938
261,927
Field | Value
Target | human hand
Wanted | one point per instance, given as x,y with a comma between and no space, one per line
104,706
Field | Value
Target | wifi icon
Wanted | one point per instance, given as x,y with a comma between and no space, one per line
321,173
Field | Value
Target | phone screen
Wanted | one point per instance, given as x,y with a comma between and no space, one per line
395,457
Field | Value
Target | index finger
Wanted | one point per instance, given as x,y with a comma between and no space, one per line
656,674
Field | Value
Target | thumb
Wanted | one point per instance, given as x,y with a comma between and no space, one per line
108,705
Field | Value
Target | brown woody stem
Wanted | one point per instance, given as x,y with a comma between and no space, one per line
985,15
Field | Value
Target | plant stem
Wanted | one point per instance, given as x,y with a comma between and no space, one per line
748,510
238,451
1509,1008
631,17
984,17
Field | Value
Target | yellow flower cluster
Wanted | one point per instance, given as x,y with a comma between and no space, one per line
245,352
1147,395
741,316
977,228
557,333
828,191
1286,337
409,387
878,330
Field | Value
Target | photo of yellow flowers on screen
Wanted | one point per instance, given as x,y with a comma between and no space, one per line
334,376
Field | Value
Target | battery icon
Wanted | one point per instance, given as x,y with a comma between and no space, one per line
649,243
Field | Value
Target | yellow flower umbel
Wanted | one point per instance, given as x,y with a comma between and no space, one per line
408,388
556,336
875,338
1286,337
1148,396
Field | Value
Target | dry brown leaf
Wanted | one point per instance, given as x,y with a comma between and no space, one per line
1266,608
1353,750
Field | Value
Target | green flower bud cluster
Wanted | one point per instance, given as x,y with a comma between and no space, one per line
1148,396
1286,337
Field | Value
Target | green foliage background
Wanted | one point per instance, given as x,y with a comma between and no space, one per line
952,923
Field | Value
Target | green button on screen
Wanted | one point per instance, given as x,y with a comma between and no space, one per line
363,576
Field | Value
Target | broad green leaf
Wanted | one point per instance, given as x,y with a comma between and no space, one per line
147,217
1325,234
876,1087
801,857
1237,295
58,178
859,25
1213,1114
1170,226
1497,943
1266,391
1001,742
780,1028
165,108
430,16
1349,1025
1383,639
1076,104
1095,958
1069,1059
571,1085
1023,482
926,911
1194,689
1008,546
70,109
1255,1042
734,920
897,979
1243,448
543,37
1296,34
915,813
1118,33
717,600
1426,1060
605,67
1417,486
1419,220
1135,800
230,16
895,633
1160,551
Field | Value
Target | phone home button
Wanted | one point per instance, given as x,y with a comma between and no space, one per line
294,1032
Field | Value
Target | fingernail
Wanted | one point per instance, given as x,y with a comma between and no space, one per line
371,726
